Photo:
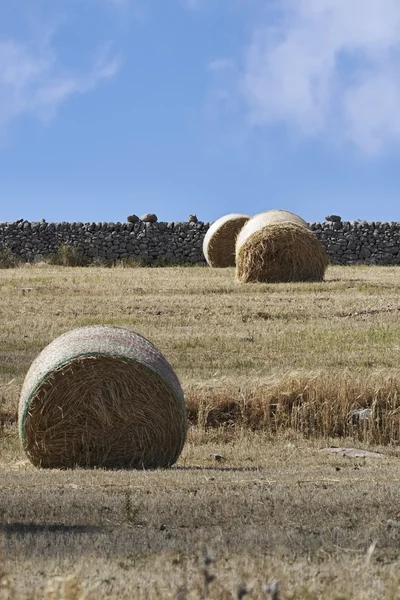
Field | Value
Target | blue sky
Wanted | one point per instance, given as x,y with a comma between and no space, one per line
113,107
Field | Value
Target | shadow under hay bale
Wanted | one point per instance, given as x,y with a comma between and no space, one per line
102,397
281,252
219,241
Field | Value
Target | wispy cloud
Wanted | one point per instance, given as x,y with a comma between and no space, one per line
220,64
33,82
328,68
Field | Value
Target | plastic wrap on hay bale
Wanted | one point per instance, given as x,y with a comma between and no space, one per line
219,241
102,397
280,252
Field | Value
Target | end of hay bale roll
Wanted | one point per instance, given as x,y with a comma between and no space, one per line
219,241
281,252
102,397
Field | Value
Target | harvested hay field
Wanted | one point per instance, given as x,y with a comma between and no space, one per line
273,374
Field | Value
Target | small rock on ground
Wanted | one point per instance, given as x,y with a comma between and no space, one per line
352,452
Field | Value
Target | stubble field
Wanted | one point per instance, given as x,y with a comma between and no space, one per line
271,375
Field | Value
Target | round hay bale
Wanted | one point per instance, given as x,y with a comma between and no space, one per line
266,218
219,241
102,397
279,253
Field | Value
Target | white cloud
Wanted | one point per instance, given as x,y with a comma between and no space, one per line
220,64
32,82
328,68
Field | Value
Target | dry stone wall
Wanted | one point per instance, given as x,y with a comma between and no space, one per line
360,242
346,242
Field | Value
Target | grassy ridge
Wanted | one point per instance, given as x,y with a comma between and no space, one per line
313,404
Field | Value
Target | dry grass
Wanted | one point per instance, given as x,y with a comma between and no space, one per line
310,403
270,372
268,509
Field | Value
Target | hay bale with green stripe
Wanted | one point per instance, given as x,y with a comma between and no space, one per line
102,397
219,241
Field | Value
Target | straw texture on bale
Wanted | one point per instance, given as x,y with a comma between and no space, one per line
262,220
219,241
102,397
281,252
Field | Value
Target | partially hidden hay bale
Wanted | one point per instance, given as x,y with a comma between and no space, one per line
281,252
219,241
102,397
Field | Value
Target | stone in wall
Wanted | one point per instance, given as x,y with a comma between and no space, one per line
149,218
